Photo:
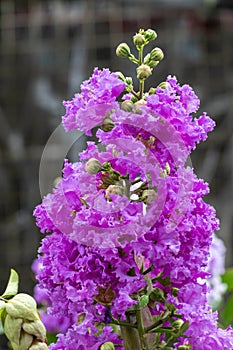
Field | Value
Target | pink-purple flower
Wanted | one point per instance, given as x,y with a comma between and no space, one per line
143,208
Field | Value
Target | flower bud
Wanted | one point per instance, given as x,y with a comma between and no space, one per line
152,91
177,324
123,50
163,85
137,107
107,124
185,347
146,59
93,166
22,306
156,54
150,35
127,105
129,80
153,64
121,76
113,189
35,328
149,196
139,39
38,345
143,72
143,301
107,346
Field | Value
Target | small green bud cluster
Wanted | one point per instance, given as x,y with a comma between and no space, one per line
22,324
145,65
107,346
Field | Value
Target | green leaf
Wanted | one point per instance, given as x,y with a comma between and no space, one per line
51,338
12,286
228,311
227,278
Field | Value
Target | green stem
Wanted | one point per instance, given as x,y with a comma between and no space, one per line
141,329
135,94
141,82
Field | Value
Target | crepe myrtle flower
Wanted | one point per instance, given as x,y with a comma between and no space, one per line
128,233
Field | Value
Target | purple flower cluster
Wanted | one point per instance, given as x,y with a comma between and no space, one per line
142,209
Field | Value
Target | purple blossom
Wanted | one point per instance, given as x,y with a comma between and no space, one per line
105,230
98,96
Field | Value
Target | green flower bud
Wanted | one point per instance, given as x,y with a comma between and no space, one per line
93,166
107,124
152,91
137,107
12,328
35,328
123,50
185,347
143,301
113,189
149,196
146,59
22,306
121,76
177,324
38,345
153,64
143,72
139,39
163,85
127,105
150,35
107,346
129,80
156,54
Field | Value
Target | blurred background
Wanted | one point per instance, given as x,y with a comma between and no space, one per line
47,48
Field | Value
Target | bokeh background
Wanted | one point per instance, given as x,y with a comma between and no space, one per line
47,48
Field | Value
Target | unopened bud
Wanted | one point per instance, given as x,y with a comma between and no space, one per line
152,91
38,345
113,189
149,196
139,39
35,328
156,54
129,80
153,64
150,35
185,347
127,105
143,301
146,59
93,166
22,306
121,76
143,72
107,346
177,324
137,107
107,124
123,50
163,85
